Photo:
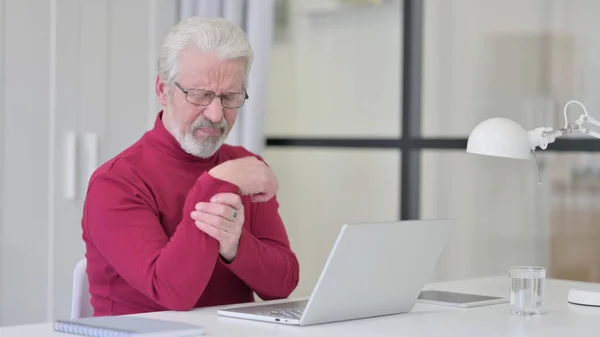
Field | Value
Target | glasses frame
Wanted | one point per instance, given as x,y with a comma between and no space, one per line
213,95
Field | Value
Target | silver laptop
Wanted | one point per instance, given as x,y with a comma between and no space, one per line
373,269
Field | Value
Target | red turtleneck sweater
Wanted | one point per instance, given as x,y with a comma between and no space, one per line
144,252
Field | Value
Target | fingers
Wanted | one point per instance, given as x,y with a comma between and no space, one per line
263,181
269,188
275,182
270,183
213,231
231,199
262,197
223,230
224,211
214,220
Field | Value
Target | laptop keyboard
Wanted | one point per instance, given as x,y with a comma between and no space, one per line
291,310
294,313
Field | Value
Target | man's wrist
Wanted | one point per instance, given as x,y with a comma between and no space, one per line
218,174
214,172
229,256
226,260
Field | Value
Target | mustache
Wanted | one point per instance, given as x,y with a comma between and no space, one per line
205,123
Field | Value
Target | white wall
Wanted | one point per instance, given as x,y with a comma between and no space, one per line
337,74
486,58
68,67
25,268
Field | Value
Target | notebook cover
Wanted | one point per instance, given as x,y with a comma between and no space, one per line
128,326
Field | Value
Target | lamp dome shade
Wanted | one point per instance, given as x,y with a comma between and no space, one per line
500,137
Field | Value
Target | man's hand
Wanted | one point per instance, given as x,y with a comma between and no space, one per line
251,175
222,218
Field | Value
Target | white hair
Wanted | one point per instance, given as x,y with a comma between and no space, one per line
207,34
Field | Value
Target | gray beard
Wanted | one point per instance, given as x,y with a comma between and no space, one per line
208,145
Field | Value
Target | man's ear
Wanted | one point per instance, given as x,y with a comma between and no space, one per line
162,92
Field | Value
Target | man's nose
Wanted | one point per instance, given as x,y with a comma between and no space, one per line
214,111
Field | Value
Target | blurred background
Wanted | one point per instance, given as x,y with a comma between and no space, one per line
362,109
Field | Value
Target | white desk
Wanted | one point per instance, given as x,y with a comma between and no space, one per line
559,318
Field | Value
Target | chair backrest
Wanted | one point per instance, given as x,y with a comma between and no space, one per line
80,303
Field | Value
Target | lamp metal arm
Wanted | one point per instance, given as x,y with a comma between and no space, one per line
542,136
578,125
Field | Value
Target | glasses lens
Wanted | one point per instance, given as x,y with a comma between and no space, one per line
200,97
233,101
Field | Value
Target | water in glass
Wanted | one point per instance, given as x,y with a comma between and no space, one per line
526,290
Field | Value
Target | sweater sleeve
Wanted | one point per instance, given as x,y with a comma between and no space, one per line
123,224
265,261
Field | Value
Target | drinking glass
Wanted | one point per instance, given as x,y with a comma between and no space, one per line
526,288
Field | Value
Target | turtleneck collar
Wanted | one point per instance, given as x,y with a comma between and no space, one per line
163,141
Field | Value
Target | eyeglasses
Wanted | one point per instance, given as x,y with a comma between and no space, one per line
230,100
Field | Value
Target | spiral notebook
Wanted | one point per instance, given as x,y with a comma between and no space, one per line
126,326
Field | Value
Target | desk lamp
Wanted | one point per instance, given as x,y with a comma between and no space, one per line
501,137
